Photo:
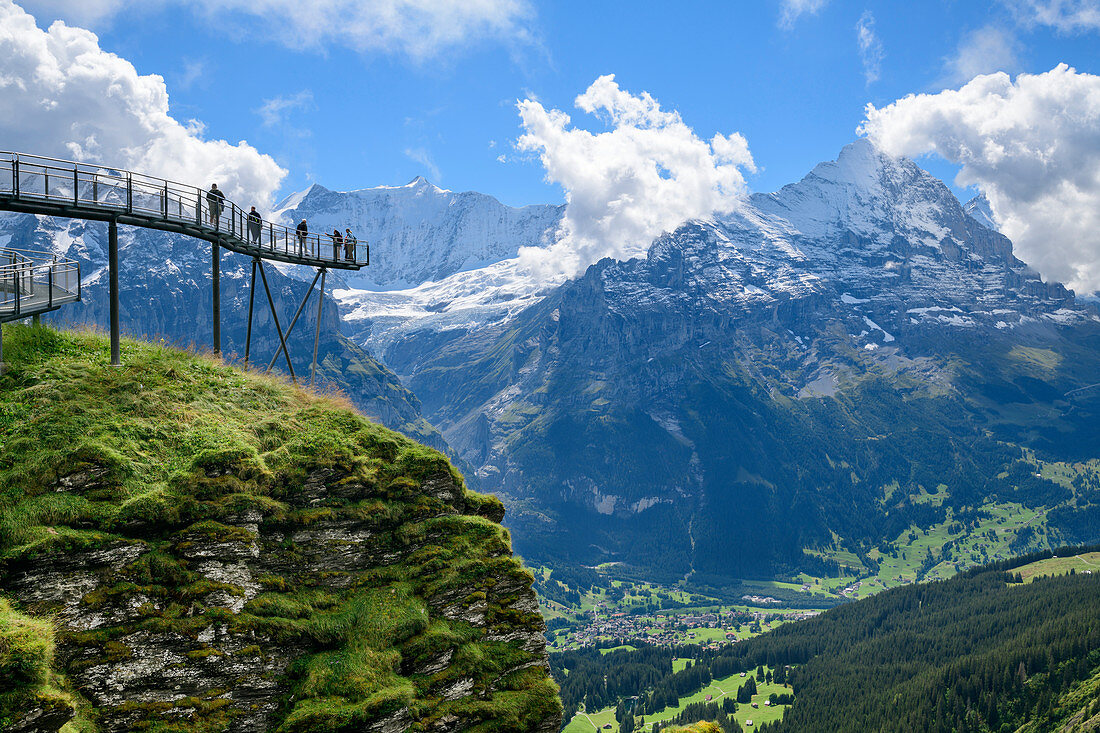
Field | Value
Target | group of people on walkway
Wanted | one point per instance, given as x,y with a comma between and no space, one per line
345,241
215,201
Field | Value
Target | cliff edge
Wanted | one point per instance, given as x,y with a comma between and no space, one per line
188,547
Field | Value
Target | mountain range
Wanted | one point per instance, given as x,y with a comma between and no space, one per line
813,374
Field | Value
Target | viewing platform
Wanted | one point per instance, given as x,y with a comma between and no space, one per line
36,282
34,184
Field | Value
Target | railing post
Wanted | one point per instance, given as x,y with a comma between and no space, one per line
76,186
198,208
46,181
49,283
95,188
129,193
165,205
15,175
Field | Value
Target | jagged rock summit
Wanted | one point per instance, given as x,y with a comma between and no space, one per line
187,547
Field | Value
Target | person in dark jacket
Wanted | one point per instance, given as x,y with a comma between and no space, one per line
349,246
255,223
303,232
215,202
337,242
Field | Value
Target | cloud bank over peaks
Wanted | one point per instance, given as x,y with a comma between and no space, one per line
646,174
66,97
1032,146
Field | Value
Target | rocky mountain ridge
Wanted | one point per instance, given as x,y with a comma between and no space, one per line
586,409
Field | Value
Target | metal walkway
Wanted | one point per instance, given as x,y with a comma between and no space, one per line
33,282
33,184
36,185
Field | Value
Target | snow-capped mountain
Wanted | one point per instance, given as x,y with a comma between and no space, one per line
642,410
419,232
865,232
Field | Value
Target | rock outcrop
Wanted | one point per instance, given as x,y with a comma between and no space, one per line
224,552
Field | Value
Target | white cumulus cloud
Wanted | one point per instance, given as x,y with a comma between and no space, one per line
790,10
1031,145
64,96
645,175
417,28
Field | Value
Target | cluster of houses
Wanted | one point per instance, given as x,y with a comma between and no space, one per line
761,600
669,629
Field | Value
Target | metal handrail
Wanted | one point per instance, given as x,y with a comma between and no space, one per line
104,188
33,282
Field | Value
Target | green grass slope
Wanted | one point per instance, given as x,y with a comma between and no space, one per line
157,462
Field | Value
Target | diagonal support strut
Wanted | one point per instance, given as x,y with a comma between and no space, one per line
295,319
275,317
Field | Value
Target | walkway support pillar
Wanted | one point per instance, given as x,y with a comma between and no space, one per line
112,274
215,268
251,300
317,333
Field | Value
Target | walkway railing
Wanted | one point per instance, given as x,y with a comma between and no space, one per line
135,198
33,282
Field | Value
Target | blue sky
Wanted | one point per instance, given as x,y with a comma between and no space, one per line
353,116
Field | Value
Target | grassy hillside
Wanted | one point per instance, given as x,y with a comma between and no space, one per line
191,526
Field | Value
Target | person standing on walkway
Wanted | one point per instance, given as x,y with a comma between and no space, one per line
215,201
255,223
337,242
349,246
303,232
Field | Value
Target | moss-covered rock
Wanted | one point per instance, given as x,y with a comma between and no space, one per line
220,550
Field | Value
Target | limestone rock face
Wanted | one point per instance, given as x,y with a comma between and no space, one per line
143,645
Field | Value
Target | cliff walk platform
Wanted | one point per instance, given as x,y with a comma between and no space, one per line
32,283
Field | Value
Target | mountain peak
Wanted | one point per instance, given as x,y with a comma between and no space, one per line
978,209
862,163
420,183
